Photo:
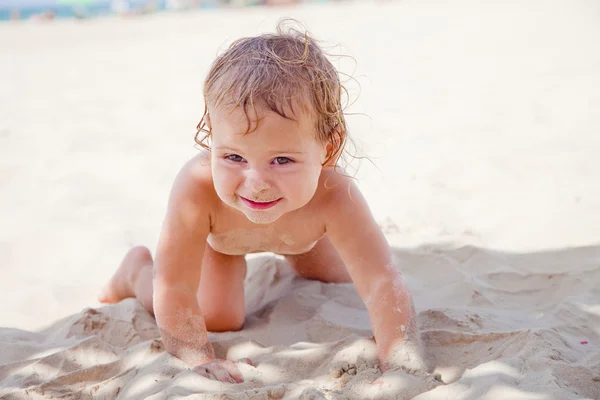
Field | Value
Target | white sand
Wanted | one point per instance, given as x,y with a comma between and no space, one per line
485,129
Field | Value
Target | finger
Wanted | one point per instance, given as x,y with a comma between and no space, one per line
211,377
206,371
201,370
246,361
221,373
233,370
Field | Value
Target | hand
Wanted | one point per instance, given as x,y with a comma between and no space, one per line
406,366
407,355
222,370
390,383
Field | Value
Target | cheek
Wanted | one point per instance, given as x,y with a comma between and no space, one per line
302,183
225,180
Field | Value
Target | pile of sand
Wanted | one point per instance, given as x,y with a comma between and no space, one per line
506,330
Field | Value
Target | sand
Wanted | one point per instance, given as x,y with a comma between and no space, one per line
481,119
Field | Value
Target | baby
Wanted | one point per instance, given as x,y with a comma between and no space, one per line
273,129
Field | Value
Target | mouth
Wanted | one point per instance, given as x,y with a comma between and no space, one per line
259,205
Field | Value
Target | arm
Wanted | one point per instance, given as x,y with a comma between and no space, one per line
378,281
178,262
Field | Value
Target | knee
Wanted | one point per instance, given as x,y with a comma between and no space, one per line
224,323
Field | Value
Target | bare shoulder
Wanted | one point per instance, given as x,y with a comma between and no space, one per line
336,189
193,185
343,205
186,224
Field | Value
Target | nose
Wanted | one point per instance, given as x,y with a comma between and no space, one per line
256,181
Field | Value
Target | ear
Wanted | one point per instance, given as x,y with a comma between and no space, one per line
334,147
328,153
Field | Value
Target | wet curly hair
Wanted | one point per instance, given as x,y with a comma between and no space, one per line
288,73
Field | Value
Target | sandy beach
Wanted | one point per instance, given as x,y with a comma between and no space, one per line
481,122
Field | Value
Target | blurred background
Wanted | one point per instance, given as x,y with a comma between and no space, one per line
480,120
50,9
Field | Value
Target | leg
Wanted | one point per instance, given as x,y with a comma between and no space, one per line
322,263
132,279
220,292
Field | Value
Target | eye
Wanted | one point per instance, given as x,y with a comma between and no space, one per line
234,158
282,160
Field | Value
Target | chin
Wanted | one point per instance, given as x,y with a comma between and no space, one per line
267,216
262,217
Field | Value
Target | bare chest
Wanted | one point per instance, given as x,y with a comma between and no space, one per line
275,239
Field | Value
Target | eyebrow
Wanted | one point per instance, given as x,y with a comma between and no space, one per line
287,152
227,148
270,152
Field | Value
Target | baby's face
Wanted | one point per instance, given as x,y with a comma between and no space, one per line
268,172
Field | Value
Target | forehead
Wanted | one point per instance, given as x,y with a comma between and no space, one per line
260,124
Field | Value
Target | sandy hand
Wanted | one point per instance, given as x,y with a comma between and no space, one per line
222,370
406,356
407,361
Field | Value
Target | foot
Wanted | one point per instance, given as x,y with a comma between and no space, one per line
121,285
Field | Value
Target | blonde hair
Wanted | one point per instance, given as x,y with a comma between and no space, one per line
288,73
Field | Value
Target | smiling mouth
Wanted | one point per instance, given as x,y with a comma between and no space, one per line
259,205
